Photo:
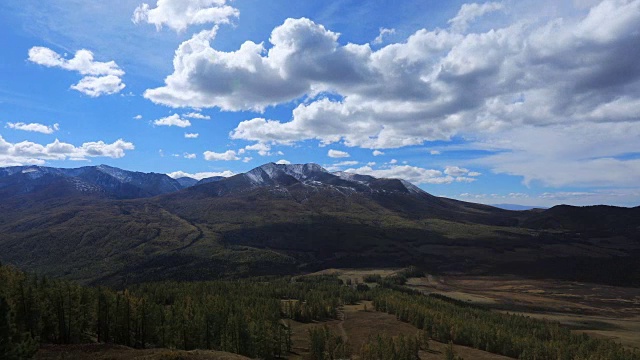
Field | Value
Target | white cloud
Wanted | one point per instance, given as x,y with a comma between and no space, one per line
189,156
195,115
228,155
412,174
27,152
371,163
138,117
173,120
35,127
179,14
624,197
337,154
470,12
283,162
339,165
191,135
377,153
262,149
246,159
100,78
383,32
436,75
346,163
434,152
531,70
393,161
95,86
569,155
455,171
200,175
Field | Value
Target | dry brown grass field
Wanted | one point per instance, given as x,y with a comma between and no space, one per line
118,352
359,325
599,310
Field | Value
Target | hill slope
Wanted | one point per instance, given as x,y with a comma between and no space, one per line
289,218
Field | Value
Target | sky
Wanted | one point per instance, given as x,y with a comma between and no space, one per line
520,102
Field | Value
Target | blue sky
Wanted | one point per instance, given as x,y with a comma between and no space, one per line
526,102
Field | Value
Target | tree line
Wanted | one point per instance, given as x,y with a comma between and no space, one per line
514,336
252,317
249,317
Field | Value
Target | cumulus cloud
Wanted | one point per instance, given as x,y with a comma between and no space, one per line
191,135
189,156
180,14
262,149
412,174
383,32
138,117
99,78
195,115
283,162
455,171
95,86
200,175
173,120
535,72
337,154
27,152
35,127
469,12
377,153
228,155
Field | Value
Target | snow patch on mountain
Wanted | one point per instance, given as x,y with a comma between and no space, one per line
121,175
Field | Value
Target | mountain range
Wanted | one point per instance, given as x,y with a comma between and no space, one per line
103,225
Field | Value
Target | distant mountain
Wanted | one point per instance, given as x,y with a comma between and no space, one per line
516,207
108,226
186,181
100,181
209,179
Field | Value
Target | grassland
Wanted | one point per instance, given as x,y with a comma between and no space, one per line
600,310
359,325
118,352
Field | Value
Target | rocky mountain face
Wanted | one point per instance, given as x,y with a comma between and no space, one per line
100,181
108,226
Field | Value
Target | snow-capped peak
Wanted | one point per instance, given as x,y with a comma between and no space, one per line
271,171
119,174
302,171
412,188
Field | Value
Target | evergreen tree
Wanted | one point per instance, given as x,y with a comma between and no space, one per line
13,346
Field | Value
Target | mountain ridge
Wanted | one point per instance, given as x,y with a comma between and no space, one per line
281,219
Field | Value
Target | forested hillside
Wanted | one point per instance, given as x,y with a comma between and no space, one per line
252,317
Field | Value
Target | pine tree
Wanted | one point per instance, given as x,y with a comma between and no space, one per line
13,346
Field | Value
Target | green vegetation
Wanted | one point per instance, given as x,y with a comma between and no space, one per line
324,345
386,347
251,317
197,235
510,335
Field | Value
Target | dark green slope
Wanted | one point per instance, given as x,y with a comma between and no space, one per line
231,227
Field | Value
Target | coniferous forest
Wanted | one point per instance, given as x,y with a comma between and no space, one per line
252,317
